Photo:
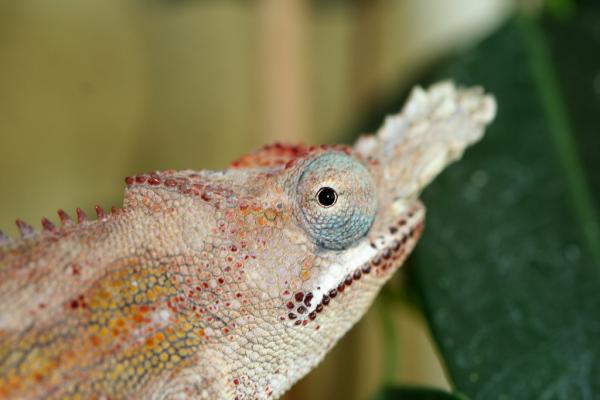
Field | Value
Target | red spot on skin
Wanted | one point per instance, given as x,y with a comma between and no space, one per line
366,269
205,197
340,288
319,308
74,304
154,181
357,274
292,316
233,248
290,305
387,254
325,300
140,179
236,381
75,269
299,296
170,183
308,298
221,281
332,293
129,180
348,280
297,322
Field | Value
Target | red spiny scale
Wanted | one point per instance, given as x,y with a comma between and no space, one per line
48,225
81,217
100,213
25,229
129,180
65,219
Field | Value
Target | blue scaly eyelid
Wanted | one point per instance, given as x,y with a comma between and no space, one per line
343,224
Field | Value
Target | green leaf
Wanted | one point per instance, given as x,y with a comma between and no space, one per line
509,265
415,393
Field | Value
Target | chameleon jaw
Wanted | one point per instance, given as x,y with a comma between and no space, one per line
373,261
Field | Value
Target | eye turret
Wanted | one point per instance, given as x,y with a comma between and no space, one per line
337,200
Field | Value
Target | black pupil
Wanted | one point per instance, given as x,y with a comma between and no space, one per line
326,196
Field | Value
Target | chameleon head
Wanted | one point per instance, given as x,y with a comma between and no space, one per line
293,243
356,216
286,250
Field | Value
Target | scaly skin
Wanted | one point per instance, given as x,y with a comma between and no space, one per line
229,285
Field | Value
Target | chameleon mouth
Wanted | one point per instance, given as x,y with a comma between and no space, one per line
391,250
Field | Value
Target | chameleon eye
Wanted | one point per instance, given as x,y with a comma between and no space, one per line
336,200
326,196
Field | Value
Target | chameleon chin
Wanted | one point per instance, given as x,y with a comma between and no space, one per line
224,285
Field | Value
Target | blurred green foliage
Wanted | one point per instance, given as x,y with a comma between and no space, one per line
508,270
509,267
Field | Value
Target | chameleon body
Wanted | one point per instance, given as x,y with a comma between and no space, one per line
230,284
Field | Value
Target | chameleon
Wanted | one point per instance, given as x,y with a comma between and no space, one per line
227,284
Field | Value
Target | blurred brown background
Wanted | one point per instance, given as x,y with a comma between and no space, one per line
91,91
